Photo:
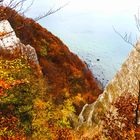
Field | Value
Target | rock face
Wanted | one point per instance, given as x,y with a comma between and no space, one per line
115,114
10,43
8,39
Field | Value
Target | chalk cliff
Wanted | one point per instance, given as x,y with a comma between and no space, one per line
115,114
10,43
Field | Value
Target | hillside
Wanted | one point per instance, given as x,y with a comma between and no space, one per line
46,90
43,86
63,70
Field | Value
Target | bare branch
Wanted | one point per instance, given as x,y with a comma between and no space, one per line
27,8
126,37
50,12
15,4
137,20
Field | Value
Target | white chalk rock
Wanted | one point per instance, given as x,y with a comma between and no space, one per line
10,42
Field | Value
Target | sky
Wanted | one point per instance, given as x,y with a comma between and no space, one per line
119,12
105,7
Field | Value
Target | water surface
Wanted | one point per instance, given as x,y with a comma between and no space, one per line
88,31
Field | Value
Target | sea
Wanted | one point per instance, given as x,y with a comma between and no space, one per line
96,36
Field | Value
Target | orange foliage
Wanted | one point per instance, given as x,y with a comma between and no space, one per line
122,125
4,85
59,65
9,122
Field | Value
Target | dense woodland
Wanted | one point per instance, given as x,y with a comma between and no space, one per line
41,101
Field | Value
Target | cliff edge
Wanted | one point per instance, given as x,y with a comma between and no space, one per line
116,113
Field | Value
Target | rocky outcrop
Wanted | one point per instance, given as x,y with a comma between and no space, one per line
115,114
10,43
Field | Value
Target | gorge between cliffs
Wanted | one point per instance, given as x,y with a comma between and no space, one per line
48,93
